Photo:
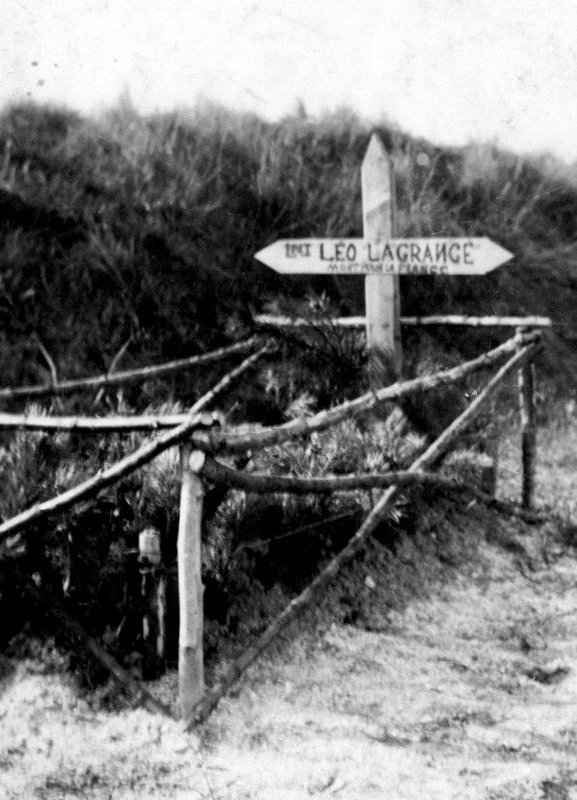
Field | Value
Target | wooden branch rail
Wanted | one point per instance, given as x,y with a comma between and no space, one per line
126,376
119,424
116,424
275,321
240,440
480,322
284,484
277,484
428,459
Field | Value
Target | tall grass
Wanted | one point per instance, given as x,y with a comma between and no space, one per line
145,227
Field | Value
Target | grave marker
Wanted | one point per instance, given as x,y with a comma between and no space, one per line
381,258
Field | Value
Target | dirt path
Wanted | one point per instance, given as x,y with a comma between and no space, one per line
470,694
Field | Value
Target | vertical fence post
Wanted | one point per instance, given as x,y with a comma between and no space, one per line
528,432
190,655
382,296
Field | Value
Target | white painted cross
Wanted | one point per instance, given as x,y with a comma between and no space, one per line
381,258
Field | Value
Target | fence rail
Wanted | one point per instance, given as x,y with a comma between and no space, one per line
276,321
113,424
126,376
218,473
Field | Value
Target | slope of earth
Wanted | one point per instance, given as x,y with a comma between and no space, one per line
471,693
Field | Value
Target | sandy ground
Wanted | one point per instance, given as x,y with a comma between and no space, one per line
471,693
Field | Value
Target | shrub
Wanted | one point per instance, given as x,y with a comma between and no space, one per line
79,557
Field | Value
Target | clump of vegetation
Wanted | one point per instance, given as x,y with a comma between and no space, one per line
292,534
79,558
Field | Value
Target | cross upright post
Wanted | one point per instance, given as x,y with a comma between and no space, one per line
382,295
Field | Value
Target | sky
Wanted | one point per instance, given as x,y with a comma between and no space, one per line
452,71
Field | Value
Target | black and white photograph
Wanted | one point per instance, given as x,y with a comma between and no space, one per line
288,400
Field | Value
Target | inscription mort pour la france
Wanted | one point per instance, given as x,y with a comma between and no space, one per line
401,258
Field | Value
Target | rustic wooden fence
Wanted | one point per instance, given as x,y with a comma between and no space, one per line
203,439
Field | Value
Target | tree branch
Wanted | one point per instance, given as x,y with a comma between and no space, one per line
128,376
